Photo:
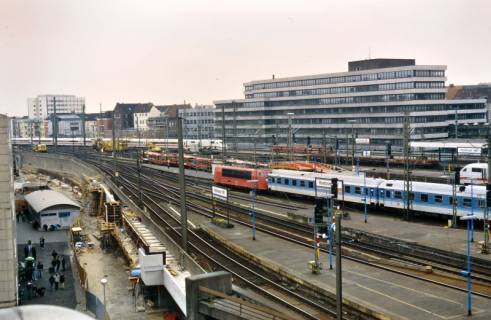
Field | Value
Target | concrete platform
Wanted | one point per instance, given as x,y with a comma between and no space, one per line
383,291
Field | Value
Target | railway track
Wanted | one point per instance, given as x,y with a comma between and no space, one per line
302,234
244,271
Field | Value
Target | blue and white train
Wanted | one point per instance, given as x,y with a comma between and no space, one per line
427,198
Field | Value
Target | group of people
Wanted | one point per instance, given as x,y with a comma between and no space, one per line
34,270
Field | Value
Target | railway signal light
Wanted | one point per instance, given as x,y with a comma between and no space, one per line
293,138
457,175
334,188
488,195
308,141
389,150
274,139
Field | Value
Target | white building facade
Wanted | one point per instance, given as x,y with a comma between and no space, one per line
42,106
199,122
371,101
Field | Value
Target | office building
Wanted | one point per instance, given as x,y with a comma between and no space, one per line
371,100
199,122
43,106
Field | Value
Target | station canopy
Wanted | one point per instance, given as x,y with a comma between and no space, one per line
45,199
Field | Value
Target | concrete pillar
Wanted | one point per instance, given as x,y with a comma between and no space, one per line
8,248
219,281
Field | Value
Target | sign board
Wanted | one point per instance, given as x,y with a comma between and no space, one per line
362,140
322,187
219,193
469,151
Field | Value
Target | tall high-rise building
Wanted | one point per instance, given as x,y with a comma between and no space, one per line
42,106
370,100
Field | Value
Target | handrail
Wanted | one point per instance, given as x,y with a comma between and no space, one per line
274,314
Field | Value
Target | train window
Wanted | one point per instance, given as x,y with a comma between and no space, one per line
389,184
398,195
294,182
347,189
287,181
411,195
438,199
357,190
424,197
481,203
467,202
311,185
271,179
465,170
476,169
302,183
450,200
240,174
387,194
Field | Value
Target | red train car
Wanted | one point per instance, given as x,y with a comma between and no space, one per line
197,163
241,177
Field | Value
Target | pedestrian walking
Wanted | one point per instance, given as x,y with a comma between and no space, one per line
63,263
53,265
28,249
57,280
51,282
58,262
33,253
34,272
40,268
62,281
29,289
41,242
54,253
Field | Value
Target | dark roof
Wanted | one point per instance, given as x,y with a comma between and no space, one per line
379,63
97,115
471,91
133,107
172,109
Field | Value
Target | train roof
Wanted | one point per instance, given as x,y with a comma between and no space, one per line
239,168
347,178
477,165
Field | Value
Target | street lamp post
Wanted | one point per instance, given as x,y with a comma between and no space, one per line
353,121
365,193
104,283
467,273
290,138
253,207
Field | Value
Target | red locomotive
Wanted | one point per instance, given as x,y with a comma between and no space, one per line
246,178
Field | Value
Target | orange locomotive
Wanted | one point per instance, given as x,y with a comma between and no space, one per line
239,177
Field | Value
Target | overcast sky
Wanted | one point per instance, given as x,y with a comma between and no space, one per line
169,51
